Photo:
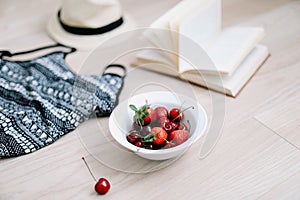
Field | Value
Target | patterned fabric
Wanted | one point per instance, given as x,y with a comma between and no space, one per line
42,99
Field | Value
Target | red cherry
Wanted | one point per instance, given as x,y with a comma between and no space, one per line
133,136
102,186
167,127
176,114
138,144
170,126
174,125
161,112
148,146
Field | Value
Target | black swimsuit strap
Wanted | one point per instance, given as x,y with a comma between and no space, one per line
9,54
115,66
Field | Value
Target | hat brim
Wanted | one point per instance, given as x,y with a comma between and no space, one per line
85,42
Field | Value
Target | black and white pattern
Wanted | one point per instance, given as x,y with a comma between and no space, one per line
42,99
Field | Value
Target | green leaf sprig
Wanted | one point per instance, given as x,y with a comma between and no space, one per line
139,113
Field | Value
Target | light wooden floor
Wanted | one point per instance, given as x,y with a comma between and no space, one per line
256,157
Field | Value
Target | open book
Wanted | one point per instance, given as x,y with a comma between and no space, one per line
192,45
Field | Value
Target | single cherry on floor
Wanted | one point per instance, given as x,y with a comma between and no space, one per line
102,186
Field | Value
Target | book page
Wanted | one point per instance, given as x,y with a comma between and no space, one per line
234,83
185,17
203,24
248,67
156,56
233,44
227,50
155,61
197,31
231,85
191,61
163,38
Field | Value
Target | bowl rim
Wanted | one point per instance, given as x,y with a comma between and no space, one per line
139,150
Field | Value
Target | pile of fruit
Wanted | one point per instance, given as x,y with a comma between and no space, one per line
157,128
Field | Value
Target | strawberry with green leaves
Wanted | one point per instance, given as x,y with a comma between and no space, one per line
158,136
142,115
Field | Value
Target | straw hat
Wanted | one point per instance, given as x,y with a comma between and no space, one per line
84,24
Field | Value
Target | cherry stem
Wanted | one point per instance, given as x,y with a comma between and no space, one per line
89,169
187,108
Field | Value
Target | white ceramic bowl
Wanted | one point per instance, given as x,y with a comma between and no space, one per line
121,119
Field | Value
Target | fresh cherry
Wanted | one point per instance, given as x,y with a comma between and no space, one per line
170,126
176,114
138,144
161,112
102,186
148,146
174,125
133,136
167,127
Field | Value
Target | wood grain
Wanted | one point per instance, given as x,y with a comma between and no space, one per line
288,189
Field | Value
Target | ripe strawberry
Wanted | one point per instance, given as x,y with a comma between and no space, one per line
179,136
160,135
141,116
147,120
